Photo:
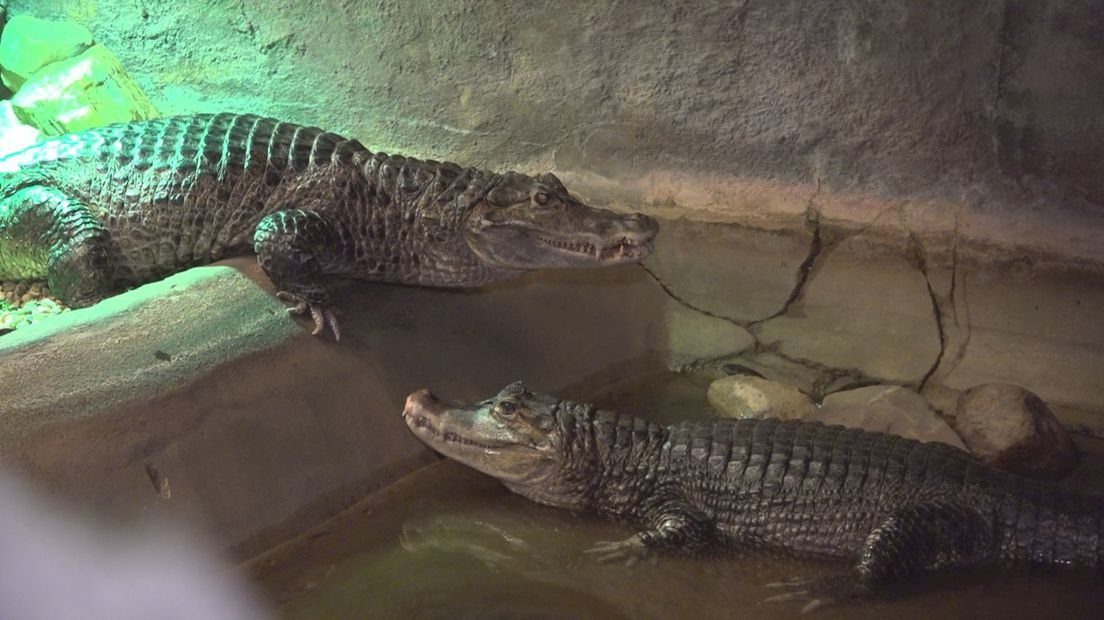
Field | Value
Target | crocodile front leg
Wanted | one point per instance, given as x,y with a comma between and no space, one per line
46,233
673,526
295,247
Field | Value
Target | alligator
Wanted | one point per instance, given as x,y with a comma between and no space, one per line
890,506
105,209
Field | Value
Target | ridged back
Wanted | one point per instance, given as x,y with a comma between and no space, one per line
218,143
771,455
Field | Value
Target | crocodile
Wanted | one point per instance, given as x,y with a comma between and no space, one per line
109,208
891,507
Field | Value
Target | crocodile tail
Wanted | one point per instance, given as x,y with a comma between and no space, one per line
1047,525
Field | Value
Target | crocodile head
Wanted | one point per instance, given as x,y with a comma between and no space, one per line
529,222
514,436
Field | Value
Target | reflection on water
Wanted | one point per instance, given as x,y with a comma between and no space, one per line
448,542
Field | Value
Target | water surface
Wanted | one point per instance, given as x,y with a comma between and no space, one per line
448,542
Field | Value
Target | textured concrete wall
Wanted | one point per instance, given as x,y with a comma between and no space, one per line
891,96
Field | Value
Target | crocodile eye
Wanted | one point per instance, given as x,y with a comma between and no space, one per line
506,409
541,198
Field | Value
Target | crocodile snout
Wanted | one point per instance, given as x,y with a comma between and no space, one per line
419,403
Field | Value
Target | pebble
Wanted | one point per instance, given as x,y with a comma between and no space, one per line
26,303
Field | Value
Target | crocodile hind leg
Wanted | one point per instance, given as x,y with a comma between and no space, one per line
920,538
43,232
296,247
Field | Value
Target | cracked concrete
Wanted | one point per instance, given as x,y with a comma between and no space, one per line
864,308
741,275
860,311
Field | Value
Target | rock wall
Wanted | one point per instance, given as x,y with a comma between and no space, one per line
731,106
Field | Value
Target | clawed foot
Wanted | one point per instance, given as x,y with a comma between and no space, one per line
816,593
630,551
320,314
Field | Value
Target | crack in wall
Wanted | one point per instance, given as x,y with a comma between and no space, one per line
937,311
677,299
963,325
812,220
827,378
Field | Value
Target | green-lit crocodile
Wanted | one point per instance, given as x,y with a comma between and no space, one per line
893,507
108,208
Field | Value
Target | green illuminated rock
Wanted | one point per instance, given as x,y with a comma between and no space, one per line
14,135
28,44
87,91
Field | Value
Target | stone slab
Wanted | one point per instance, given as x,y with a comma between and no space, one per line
731,271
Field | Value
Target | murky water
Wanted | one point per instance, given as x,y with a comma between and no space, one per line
448,542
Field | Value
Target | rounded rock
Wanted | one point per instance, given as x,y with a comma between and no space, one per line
29,44
745,396
1013,428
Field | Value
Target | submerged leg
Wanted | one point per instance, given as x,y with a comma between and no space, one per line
921,538
43,232
295,247
673,527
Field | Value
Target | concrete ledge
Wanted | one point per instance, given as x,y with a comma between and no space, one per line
199,398
138,345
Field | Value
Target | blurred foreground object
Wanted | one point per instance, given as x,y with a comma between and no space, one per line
57,566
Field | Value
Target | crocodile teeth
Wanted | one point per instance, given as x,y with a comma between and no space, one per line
621,249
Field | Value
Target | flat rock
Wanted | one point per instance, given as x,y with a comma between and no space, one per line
745,396
1014,429
887,409
694,336
14,135
814,379
87,91
731,271
28,44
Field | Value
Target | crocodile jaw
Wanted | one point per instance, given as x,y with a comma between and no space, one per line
472,437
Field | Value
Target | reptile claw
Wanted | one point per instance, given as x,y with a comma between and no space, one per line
813,592
796,582
787,597
630,551
813,604
321,315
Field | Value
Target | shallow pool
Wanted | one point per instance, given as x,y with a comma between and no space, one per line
448,542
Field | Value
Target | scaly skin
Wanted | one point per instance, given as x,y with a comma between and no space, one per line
109,208
893,507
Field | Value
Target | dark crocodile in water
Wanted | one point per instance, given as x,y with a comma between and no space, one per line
893,507
98,211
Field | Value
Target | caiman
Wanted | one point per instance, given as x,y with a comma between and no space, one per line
101,210
892,507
